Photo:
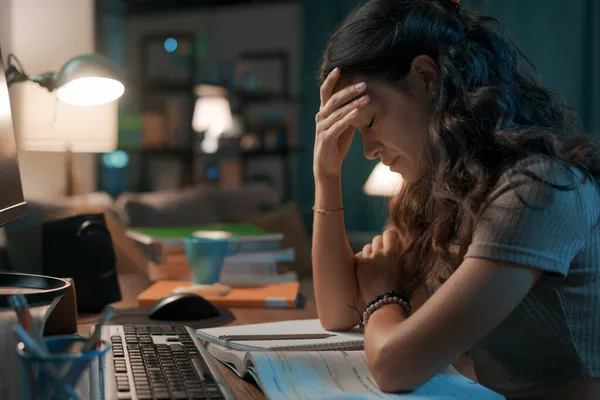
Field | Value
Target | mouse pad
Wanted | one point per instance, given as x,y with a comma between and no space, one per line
139,316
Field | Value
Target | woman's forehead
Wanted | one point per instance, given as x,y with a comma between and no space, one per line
344,81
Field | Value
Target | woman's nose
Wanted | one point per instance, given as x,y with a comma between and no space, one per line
371,149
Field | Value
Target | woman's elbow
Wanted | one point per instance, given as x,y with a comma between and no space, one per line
395,381
336,324
394,373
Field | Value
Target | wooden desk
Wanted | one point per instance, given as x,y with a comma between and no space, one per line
131,285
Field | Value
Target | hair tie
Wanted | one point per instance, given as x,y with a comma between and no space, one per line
455,4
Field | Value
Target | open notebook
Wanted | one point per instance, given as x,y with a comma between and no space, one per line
351,340
300,375
317,369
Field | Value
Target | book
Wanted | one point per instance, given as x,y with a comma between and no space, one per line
349,340
277,295
254,238
274,256
298,374
161,244
256,279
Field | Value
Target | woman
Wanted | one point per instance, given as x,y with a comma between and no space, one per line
497,219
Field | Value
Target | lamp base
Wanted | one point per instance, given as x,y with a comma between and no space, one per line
71,184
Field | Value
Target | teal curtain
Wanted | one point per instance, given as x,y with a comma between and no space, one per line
362,213
561,38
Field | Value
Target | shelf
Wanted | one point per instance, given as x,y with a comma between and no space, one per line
190,151
261,153
158,86
265,96
165,151
144,7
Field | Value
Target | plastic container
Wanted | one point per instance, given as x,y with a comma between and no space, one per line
46,377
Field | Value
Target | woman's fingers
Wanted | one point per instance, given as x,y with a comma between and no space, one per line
367,250
341,98
377,244
391,239
338,114
327,87
341,126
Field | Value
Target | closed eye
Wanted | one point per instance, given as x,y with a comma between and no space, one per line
371,123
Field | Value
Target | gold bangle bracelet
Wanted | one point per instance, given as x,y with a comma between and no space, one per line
327,212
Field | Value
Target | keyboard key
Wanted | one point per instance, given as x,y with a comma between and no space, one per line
123,388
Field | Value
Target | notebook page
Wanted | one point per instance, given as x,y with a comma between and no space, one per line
350,339
345,375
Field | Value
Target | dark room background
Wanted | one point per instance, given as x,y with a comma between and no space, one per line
562,39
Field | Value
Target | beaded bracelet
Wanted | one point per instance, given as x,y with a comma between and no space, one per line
382,300
393,293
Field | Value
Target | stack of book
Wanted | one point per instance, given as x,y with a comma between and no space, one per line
257,261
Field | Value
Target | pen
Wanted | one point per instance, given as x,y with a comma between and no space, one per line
77,368
291,336
94,338
19,303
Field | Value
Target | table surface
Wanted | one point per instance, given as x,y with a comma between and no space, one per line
131,286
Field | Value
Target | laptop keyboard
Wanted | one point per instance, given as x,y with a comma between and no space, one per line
162,362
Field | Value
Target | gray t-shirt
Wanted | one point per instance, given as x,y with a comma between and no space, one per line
553,336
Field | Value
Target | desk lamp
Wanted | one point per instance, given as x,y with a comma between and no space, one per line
212,116
86,80
383,182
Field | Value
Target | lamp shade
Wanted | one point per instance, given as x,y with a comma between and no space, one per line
212,116
88,80
383,182
45,124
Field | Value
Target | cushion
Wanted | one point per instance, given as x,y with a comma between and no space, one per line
195,206
168,208
232,203
287,219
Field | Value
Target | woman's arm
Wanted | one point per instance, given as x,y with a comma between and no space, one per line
333,262
526,230
404,353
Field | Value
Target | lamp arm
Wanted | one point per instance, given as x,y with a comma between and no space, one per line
15,73
46,80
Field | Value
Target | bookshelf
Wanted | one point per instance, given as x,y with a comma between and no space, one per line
270,160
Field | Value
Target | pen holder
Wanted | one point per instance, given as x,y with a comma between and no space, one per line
62,375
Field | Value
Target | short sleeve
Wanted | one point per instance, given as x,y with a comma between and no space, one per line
533,222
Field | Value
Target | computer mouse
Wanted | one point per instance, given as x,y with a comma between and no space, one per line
183,307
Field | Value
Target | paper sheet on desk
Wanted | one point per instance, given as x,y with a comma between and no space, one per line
345,375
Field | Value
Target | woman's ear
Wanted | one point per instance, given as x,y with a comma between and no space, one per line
423,78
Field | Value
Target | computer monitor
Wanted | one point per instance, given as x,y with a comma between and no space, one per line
12,202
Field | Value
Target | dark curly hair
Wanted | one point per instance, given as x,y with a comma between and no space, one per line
490,113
